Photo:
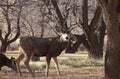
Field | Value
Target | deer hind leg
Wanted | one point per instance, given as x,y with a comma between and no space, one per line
26,62
21,56
56,65
48,59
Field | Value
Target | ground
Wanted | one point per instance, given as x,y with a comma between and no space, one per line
84,74
72,66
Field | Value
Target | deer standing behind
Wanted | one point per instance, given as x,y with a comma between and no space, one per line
5,61
50,47
81,39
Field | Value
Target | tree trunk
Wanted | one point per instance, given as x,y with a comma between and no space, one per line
98,41
112,58
3,47
101,34
95,49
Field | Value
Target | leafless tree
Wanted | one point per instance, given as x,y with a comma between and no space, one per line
91,30
111,11
7,10
42,17
94,32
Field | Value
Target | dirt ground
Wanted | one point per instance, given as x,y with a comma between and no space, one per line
69,66
83,74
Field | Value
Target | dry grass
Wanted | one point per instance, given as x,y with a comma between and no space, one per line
72,66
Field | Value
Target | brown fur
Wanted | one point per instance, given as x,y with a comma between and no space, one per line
49,47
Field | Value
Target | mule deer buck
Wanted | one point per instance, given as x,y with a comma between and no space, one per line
50,47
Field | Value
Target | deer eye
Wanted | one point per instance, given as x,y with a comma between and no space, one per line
66,37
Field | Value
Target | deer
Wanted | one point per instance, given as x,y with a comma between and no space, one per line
50,47
5,61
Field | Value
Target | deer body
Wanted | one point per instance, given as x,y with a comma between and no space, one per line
35,46
42,46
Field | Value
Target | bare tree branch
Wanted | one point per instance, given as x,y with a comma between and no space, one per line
8,23
62,21
18,26
95,19
1,38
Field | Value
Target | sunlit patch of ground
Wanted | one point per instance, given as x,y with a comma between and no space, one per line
72,66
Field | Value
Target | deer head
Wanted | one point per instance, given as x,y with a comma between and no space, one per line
11,63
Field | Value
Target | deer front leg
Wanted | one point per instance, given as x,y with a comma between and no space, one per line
21,56
48,59
56,65
26,62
